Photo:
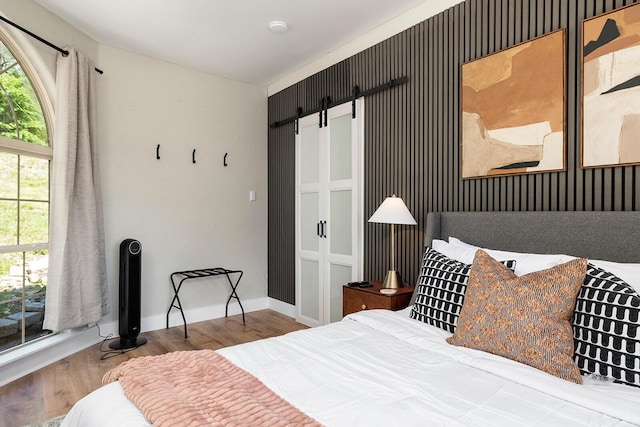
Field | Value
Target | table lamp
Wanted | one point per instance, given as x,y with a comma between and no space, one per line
393,211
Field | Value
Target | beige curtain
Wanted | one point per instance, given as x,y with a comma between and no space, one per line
77,292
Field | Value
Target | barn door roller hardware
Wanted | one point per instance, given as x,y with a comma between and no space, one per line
326,103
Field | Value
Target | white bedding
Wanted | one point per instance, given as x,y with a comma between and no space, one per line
383,368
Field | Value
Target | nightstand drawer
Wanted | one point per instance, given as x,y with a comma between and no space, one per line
356,299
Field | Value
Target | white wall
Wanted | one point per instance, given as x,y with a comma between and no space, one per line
422,12
185,215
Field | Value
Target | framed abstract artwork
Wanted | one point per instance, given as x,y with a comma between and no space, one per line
513,110
611,89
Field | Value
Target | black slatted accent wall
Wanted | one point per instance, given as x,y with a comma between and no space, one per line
281,193
412,132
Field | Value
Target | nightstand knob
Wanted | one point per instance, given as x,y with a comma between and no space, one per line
364,306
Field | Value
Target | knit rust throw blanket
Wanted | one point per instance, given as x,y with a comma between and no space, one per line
201,388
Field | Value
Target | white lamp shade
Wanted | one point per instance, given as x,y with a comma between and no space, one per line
393,211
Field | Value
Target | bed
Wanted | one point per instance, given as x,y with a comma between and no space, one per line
394,368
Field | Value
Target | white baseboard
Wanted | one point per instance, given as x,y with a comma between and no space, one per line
282,307
24,360
200,314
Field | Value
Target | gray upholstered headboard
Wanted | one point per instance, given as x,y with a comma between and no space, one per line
613,236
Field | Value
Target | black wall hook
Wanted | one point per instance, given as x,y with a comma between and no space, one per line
225,159
158,152
193,156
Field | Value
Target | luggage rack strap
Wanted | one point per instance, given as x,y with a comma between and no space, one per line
200,273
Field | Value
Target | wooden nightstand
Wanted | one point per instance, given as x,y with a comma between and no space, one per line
356,299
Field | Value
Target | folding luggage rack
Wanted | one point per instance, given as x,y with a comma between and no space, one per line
197,274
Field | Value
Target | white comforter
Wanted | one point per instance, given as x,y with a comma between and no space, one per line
381,368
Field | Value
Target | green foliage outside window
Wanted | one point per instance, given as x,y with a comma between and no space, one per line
20,113
24,206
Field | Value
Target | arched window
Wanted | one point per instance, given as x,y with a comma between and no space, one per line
25,159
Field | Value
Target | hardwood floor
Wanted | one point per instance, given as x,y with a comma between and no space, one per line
52,391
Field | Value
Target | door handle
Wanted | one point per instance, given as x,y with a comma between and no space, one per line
320,231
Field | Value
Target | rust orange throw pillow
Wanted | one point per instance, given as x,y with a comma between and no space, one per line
526,318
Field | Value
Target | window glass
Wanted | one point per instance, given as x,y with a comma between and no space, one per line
21,115
25,157
8,222
8,175
11,284
34,226
34,178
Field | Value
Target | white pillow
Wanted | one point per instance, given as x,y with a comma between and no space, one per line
628,272
452,251
525,263
460,251
439,245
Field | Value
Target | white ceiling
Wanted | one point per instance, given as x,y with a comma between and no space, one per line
229,38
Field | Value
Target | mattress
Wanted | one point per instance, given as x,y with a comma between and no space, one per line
382,368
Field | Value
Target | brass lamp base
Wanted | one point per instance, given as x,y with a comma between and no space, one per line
393,280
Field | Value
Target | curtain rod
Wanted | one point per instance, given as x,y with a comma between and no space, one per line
40,39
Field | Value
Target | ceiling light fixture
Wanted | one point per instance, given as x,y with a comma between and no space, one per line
278,27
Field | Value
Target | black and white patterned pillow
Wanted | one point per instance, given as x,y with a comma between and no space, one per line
440,290
606,327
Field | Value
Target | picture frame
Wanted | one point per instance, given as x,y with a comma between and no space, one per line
611,89
513,110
